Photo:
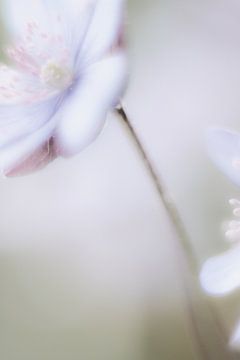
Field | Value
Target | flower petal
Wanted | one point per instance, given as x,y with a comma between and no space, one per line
104,30
224,149
18,121
221,274
36,161
84,111
74,18
18,13
54,19
68,8
14,155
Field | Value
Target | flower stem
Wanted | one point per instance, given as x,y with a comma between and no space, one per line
185,243
163,193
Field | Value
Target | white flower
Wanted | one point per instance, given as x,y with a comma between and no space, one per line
67,69
220,275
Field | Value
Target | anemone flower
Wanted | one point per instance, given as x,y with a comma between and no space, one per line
66,69
220,275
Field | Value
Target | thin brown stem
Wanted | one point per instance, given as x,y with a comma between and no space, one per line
163,193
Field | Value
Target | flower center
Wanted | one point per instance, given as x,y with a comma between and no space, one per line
55,75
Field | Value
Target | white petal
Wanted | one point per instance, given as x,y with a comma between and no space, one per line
235,338
221,274
13,155
68,8
48,29
18,13
74,19
83,113
18,121
224,149
104,29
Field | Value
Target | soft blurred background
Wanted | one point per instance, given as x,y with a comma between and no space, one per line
90,265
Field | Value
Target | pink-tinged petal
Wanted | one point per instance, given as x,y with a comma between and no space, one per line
18,121
17,86
221,274
84,111
38,34
16,154
224,149
36,161
47,24
104,30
